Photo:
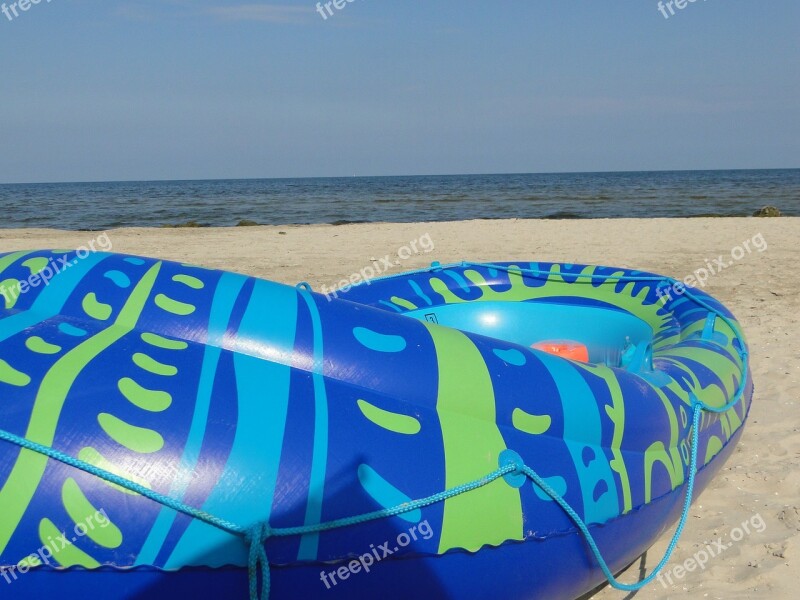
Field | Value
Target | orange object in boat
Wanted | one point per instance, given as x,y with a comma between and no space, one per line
565,349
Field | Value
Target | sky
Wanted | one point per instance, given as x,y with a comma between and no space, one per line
102,90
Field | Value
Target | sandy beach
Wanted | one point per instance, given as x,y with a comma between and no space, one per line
759,283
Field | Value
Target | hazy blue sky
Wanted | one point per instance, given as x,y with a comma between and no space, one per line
171,89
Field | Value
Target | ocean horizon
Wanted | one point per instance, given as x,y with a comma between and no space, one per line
339,200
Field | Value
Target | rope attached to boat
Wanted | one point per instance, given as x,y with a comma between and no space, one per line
256,536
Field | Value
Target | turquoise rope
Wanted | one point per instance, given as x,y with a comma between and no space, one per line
122,482
257,560
632,587
257,535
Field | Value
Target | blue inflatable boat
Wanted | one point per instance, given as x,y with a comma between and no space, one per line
512,431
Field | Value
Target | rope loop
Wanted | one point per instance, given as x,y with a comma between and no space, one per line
257,562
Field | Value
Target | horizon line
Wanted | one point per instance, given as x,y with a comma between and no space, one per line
609,172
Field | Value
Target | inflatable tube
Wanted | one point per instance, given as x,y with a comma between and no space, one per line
167,430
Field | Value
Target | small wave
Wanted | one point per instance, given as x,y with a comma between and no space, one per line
347,222
564,214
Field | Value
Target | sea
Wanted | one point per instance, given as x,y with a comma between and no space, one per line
339,200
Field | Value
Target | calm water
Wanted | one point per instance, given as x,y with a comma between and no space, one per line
429,198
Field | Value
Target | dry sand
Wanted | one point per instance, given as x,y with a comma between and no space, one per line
762,289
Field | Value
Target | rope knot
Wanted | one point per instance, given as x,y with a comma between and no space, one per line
515,478
258,533
256,537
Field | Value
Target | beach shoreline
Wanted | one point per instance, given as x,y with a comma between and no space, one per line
309,252
758,283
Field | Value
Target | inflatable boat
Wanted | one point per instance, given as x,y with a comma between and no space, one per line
514,430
